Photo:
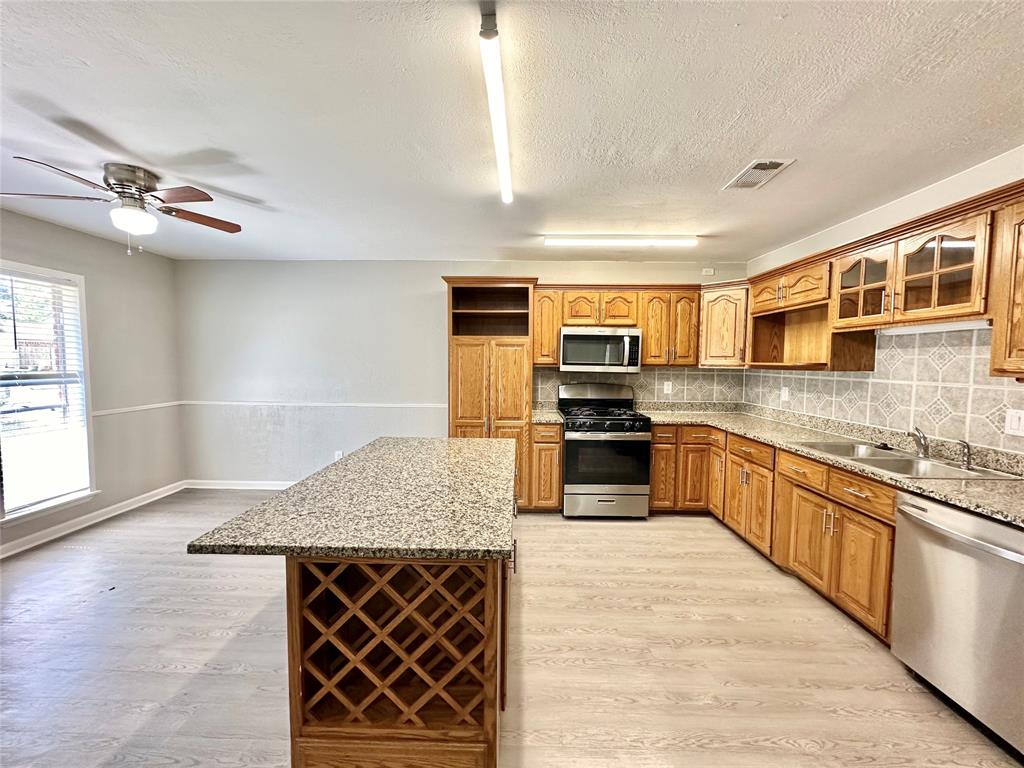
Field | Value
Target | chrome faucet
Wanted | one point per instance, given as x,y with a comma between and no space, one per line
965,454
921,441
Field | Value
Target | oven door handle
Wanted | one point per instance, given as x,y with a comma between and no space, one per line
634,436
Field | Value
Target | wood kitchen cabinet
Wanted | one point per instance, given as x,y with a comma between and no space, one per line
680,459
668,320
546,476
723,327
810,547
547,324
804,285
735,513
943,273
716,482
663,476
862,567
489,381
863,288
692,477
749,491
1008,293
615,308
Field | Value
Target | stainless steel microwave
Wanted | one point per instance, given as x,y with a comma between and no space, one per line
602,350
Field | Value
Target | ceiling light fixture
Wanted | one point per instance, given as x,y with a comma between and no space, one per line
133,218
589,241
490,53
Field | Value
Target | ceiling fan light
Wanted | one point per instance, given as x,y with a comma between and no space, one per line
133,219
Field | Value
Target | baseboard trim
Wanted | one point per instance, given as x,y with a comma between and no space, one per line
57,531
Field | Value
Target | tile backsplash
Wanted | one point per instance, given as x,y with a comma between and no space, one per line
936,381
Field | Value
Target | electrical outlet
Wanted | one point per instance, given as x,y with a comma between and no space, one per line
708,271
1014,423
666,387
339,455
784,395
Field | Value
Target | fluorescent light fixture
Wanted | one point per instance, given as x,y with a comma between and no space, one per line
590,241
490,53
133,218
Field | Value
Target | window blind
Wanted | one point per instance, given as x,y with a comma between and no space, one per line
44,440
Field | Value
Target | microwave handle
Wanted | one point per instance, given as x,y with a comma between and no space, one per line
625,351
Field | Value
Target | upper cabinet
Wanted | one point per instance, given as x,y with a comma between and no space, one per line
942,273
863,288
796,288
547,322
600,308
668,320
1008,292
723,326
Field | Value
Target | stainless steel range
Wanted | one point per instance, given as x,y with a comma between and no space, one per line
607,452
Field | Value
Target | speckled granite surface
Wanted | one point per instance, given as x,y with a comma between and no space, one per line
1000,499
398,497
546,416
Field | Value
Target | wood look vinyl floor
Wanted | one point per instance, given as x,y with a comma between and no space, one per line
633,644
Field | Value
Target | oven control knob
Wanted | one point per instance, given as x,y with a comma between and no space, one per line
631,426
609,426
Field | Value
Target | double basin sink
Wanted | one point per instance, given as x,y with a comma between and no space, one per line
904,464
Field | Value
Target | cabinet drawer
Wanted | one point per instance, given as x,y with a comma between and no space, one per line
547,433
804,471
759,453
663,434
862,494
703,436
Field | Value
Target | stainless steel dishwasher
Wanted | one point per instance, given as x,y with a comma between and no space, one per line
958,609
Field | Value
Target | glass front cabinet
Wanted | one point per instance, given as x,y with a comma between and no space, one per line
863,288
943,273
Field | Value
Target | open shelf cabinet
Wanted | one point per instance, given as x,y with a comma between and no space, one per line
495,308
803,339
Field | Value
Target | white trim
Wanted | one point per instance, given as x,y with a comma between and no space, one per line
34,512
240,485
262,403
55,532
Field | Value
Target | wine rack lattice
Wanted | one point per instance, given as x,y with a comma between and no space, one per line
392,644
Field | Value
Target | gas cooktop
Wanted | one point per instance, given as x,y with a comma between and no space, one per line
586,418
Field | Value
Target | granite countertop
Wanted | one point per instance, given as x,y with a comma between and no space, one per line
398,497
999,499
547,416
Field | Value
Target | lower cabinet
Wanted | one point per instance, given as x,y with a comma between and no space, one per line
692,477
716,482
680,468
663,476
844,554
544,486
749,501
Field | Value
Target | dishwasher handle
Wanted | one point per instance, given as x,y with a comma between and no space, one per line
992,549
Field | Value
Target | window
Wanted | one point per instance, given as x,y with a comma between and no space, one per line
44,418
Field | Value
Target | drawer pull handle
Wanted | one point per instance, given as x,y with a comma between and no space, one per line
745,450
699,434
858,493
662,434
797,470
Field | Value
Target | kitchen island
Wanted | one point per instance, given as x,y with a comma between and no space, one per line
396,562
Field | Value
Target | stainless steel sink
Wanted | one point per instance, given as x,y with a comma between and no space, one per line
851,450
927,468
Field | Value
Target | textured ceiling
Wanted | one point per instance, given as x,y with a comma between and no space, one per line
360,130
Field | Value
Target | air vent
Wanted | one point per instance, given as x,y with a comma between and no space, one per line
758,173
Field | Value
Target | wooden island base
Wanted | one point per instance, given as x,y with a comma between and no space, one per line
394,663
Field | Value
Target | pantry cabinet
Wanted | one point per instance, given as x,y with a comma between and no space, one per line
723,327
547,324
1008,293
668,320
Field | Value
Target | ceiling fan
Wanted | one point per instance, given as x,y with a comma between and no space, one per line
135,190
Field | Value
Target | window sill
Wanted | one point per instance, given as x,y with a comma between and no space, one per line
45,507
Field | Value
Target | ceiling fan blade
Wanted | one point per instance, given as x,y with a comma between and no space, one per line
180,195
59,197
65,174
198,218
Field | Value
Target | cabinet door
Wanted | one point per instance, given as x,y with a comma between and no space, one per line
716,482
760,498
619,308
663,476
723,326
547,322
862,291
810,546
685,314
468,389
735,512
692,477
863,567
1008,293
766,295
521,434
509,385
546,476
943,273
806,285
581,307
656,327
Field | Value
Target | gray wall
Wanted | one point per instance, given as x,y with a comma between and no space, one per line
131,334
285,363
